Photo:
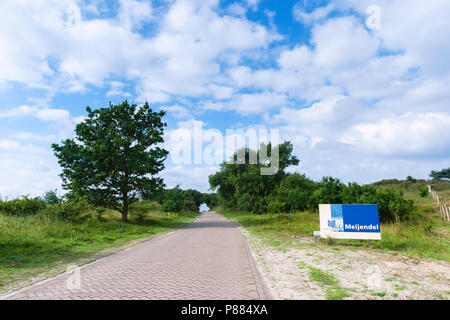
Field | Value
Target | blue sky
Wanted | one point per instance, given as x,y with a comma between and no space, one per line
360,101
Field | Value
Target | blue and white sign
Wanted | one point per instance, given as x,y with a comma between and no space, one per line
349,221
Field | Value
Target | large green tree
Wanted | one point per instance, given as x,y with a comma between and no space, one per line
242,186
439,175
115,156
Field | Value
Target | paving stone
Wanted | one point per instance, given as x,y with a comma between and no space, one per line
208,259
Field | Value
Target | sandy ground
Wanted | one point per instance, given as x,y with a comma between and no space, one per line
362,273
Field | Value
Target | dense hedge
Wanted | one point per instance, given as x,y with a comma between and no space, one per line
300,193
23,206
30,206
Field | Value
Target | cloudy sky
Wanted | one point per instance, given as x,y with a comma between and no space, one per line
360,87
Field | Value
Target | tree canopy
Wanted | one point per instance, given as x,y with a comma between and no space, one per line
242,186
114,158
439,175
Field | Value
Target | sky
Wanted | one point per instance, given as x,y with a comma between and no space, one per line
361,88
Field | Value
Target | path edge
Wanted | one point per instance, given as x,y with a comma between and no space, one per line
260,282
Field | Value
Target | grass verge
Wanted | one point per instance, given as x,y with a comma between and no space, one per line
426,236
35,247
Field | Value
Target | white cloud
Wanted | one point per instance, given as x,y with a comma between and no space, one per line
194,177
417,27
295,58
343,42
237,9
324,121
30,136
318,14
177,111
249,103
27,169
132,13
257,103
221,92
182,57
253,4
189,51
116,89
17,112
60,119
409,134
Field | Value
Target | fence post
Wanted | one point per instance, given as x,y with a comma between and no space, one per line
444,209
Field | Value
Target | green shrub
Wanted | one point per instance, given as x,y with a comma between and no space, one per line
252,203
141,208
411,179
68,210
276,207
353,192
295,191
423,191
144,206
173,199
51,197
173,205
190,205
100,211
330,191
392,207
22,207
211,200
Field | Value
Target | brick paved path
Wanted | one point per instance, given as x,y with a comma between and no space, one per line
209,259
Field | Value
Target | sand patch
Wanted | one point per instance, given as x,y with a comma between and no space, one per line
362,273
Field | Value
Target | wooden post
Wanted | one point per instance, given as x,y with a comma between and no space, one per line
444,209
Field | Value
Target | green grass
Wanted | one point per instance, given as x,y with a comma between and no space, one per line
327,281
277,229
398,288
322,277
379,294
36,245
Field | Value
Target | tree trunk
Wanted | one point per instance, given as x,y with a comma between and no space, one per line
125,210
